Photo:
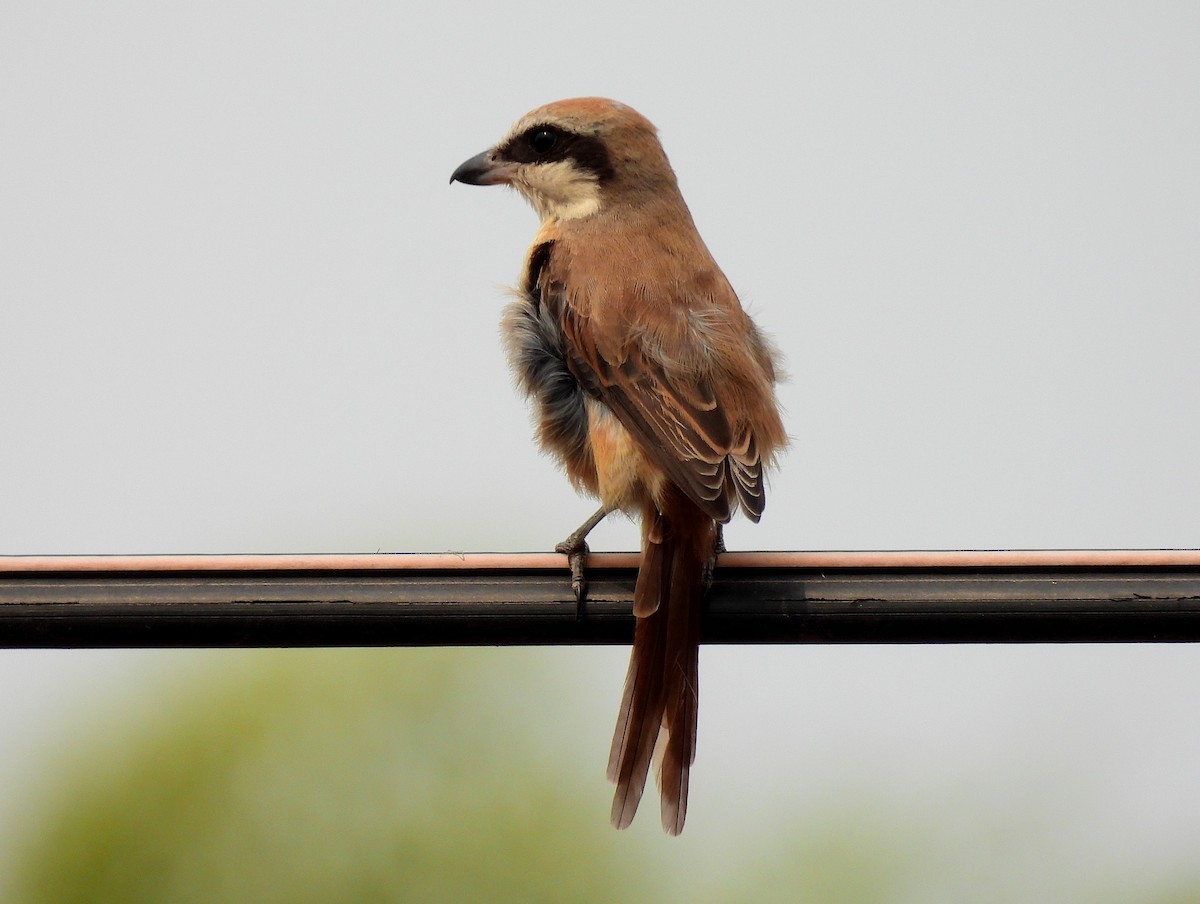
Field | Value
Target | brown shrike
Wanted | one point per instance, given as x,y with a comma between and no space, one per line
652,387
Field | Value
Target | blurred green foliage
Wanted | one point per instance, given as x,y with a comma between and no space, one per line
322,776
353,776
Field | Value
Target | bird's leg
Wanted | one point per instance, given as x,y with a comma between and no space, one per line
718,548
576,551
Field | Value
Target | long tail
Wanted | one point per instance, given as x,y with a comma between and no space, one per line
657,719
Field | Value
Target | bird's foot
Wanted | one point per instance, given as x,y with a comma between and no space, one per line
576,551
711,564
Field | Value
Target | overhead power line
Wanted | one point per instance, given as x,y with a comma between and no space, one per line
511,599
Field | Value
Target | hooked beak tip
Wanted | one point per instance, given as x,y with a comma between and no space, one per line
481,169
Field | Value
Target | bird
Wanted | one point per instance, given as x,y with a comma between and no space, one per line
651,386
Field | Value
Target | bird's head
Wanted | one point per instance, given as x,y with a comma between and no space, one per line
571,158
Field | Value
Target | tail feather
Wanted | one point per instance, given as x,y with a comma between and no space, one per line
681,691
654,572
637,726
658,710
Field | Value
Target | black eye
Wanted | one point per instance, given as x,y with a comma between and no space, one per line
542,140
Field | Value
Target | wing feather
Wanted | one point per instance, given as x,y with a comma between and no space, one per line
681,426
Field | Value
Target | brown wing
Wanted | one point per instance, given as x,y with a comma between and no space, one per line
682,427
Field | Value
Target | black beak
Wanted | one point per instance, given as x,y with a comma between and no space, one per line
482,169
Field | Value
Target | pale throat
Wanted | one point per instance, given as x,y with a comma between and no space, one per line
559,191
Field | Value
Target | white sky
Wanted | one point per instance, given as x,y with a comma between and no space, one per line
241,310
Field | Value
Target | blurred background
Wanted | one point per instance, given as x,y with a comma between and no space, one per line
242,311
